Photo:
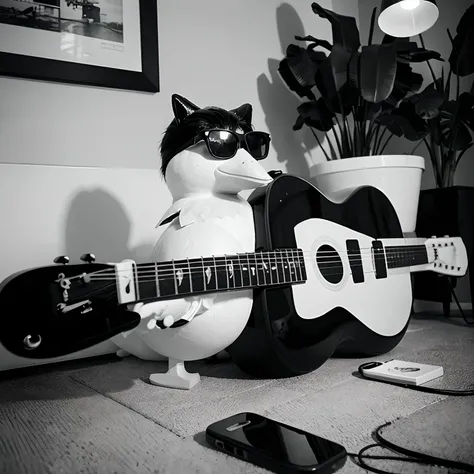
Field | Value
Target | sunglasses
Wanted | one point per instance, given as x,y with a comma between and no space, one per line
224,144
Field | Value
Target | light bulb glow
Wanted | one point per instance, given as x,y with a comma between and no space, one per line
410,4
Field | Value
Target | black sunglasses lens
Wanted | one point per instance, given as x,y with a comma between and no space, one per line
257,144
222,144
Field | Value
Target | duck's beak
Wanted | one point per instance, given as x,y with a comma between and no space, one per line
240,173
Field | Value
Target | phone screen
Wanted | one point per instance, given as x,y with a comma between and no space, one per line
278,441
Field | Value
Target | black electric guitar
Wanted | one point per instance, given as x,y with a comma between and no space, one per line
326,277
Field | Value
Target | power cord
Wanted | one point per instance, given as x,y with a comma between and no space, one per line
411,456
469,323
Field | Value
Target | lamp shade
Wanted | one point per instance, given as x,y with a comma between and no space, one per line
405,18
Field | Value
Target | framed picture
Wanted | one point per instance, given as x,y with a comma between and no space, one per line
106,43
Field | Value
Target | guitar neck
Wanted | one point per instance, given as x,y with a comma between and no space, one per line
403,256
179,278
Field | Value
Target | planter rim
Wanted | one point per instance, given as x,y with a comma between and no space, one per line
367,162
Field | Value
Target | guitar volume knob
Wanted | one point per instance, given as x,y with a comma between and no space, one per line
32,342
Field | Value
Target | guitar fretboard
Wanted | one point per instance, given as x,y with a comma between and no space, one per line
406,256
163,280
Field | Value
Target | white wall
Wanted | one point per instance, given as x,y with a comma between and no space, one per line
94,184
213,52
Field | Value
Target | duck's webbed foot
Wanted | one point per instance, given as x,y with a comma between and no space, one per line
176,377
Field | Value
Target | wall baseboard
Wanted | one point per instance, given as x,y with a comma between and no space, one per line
421,306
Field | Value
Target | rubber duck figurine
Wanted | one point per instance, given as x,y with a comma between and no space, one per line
209,155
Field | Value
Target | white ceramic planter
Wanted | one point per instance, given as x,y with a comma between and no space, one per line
397,176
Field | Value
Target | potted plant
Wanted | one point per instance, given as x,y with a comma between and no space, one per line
448,114
353,93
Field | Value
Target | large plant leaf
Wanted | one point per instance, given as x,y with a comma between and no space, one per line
462,55
405,122
344,28
315,42
354,69
407,83
298,70
459,140
315,114
325,81
429,102
410,52
378,69
466,109
340,59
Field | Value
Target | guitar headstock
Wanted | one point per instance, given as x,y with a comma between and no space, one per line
56,310
447,256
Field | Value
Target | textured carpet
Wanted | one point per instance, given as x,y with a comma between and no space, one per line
68,420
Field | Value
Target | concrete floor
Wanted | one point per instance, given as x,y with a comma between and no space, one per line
102,416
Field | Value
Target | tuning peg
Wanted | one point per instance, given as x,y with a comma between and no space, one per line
446,236
433,236
62,260
88,258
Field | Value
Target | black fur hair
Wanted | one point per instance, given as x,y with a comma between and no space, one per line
190,120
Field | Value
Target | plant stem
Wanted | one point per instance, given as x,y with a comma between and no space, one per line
372,26
382,136
386,143
447,91
338,141
433,162
416,148
427,62
349,136
320,144
375,139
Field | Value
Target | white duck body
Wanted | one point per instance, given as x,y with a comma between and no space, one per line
211,219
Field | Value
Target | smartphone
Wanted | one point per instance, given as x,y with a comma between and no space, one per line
275,446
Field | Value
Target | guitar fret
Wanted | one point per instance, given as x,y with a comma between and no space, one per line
249,270
174,277
290,273
190,277
215,272
269,263
263,269
227,272
157,280
203,274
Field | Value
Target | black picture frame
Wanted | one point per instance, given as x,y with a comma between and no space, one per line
32,67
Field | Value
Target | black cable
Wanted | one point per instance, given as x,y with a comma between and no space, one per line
360,456
422,388
411,456
469,323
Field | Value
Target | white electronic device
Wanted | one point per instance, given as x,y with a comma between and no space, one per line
403,372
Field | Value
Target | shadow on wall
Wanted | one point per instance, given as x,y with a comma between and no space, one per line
97,223
279,103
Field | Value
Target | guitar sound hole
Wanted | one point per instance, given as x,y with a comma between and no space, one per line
330,264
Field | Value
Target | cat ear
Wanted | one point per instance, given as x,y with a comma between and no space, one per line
244,112
182,107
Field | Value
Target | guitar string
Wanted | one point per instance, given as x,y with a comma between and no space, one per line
262,274
278,255
237,260
185,265
251,284
293,274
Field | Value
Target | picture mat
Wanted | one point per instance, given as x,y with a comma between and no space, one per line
80,49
